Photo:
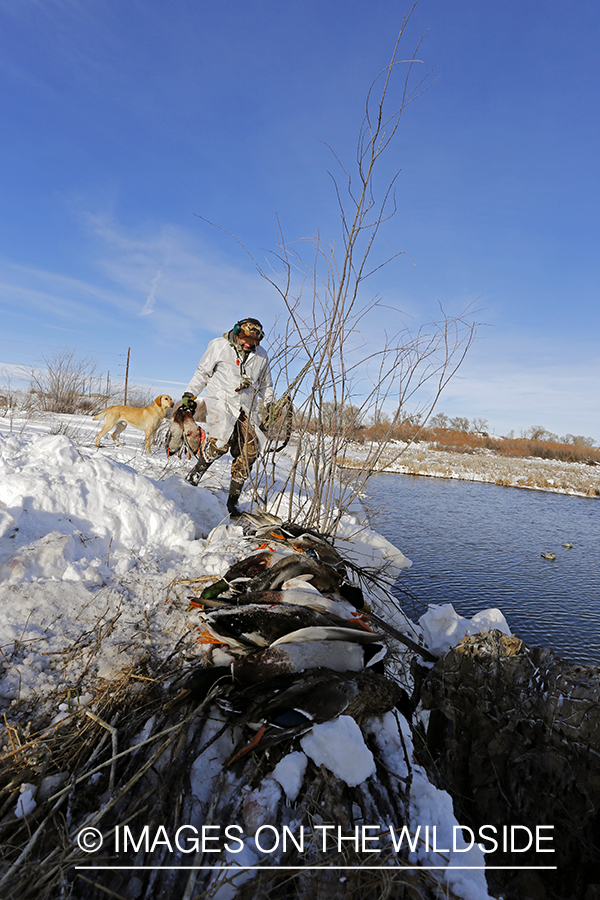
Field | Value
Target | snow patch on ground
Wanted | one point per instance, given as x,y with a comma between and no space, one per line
289,773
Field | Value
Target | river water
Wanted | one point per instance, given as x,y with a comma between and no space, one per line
479,545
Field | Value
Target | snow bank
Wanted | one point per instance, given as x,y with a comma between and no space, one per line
436,837
443,627
63,510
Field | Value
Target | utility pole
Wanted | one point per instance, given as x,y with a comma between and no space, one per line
126,376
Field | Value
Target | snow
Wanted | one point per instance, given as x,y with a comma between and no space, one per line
25,803
433,807
340,747
443,627
430,808
289,773
260,806
97,551
227,884
209,764
389,732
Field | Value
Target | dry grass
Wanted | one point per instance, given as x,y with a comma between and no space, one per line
129,762
464,442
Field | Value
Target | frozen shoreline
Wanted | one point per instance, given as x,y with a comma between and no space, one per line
530,473
101,550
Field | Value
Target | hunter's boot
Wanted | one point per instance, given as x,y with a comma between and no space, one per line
195,474
235,489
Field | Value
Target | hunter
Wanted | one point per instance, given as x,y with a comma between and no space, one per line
234,372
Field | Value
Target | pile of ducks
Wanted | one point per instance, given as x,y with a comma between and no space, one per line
299,641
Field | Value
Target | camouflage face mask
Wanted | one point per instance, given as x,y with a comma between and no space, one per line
250,332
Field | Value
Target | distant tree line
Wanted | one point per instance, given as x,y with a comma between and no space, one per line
336,418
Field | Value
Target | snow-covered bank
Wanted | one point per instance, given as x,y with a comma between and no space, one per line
100,551
530,473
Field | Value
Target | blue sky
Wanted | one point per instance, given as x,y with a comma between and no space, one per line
124,121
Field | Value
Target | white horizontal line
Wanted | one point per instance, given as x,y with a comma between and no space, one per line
399,868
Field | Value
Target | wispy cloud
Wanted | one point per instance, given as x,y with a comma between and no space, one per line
28,287
170,273
149,305
161,288
532,383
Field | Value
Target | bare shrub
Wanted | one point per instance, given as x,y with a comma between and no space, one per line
518,448
538,433
8,397
457,441
439,420
579,440
65,382
460,423
139,396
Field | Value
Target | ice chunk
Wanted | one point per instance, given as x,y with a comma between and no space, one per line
289,772
25,803
341,748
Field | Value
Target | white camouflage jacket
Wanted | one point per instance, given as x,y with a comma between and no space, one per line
221,371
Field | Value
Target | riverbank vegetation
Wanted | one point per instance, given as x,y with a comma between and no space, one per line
535,442
534,473
456,435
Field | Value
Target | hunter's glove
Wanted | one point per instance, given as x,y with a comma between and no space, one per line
244,383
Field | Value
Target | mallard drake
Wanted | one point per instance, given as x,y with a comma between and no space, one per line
324,577
261,626
295,657
568,545
244,570
297,592
324,550
197,685
303,542
307,538
280,715
343,632
259,520
548,555
301,590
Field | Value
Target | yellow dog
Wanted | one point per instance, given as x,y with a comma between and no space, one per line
146,418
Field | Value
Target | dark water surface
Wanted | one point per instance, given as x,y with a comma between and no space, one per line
478,545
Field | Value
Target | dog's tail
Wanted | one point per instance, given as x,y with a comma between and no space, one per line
100,416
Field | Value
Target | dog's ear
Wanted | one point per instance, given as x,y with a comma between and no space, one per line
158,400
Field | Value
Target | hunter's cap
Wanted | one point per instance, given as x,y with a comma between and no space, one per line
251,331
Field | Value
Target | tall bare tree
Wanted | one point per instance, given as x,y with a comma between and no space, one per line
324,332
327,316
